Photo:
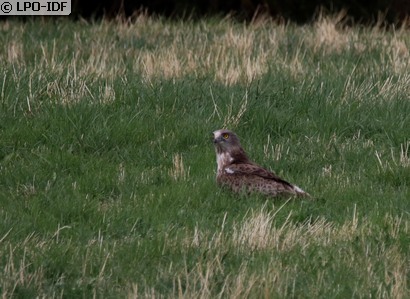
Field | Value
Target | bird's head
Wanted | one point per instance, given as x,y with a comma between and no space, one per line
225,140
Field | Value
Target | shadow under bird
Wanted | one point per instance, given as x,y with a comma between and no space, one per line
240,174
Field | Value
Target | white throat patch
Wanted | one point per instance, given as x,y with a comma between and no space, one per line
223,159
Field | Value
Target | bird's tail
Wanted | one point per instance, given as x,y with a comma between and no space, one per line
300,192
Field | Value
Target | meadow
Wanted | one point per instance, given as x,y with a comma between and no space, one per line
107,169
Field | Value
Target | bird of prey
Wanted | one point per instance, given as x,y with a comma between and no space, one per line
240,174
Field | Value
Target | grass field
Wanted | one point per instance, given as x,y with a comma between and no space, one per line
107,170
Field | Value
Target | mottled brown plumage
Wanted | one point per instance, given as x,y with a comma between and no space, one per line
240,174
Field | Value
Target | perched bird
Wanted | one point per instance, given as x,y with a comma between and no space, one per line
240,174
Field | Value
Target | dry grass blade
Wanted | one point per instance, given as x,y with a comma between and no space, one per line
178,171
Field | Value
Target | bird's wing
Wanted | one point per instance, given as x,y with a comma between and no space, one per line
252,169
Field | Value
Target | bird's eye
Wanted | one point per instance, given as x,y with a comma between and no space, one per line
225,136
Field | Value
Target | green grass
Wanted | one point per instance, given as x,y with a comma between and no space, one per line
107,172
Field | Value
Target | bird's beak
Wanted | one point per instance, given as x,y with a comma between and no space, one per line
214,140
217,140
